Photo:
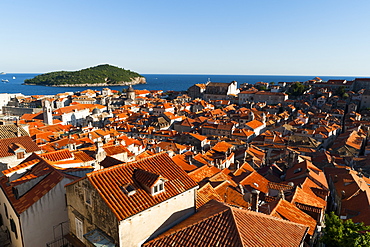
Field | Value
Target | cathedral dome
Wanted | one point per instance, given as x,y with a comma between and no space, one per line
96,111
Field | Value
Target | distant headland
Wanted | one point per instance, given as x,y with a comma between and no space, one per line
101,75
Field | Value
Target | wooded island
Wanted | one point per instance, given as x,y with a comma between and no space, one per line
101,75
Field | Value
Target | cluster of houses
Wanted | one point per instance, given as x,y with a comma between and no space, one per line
215,166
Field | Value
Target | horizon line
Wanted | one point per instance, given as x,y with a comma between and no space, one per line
218,74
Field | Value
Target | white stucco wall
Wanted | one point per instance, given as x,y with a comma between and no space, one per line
137,229
75,117
11,161
16,242
38,220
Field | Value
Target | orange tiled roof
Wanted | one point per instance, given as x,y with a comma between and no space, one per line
24,141
146,178
57,155
254,124
108,183
203,172
302,197
179,159
230,195
197,136
23,165
205,194
222,147
307,169
244,168
288,211
218,224
256,181
46,175
80,155
113,150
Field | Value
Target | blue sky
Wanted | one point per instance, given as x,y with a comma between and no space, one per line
246,37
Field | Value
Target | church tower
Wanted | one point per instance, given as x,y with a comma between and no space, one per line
48,112
131,93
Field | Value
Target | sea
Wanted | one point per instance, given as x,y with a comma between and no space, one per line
12,82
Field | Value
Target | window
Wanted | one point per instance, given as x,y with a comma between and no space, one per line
159,187
297,170
128,189
13,228
88,197
79,228
20,155
6,211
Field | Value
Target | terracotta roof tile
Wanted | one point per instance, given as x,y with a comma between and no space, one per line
25,141
113,149
218,224
256,181
205,194
108,183
63,154
203,172
289,211
80,155
11,131
230,195
42,171
222,147
179,159
146,178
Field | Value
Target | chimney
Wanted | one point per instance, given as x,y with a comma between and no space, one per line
241,189
237,164
116,142
281,195
255,198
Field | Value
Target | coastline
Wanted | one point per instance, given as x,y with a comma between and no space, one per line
136,81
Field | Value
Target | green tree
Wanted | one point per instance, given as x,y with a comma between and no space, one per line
340,91
262,88
338,233
105,73
297,89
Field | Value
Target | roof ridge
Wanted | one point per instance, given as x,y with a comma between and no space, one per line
237,226
264,215
193,224
124,164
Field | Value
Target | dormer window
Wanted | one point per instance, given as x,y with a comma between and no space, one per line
152,183
18,150
20,155
158,187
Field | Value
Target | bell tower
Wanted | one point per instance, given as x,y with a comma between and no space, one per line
48,113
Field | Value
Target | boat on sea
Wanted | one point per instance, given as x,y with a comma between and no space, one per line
13,77
5,81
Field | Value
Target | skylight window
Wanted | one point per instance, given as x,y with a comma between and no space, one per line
128,189
297,170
